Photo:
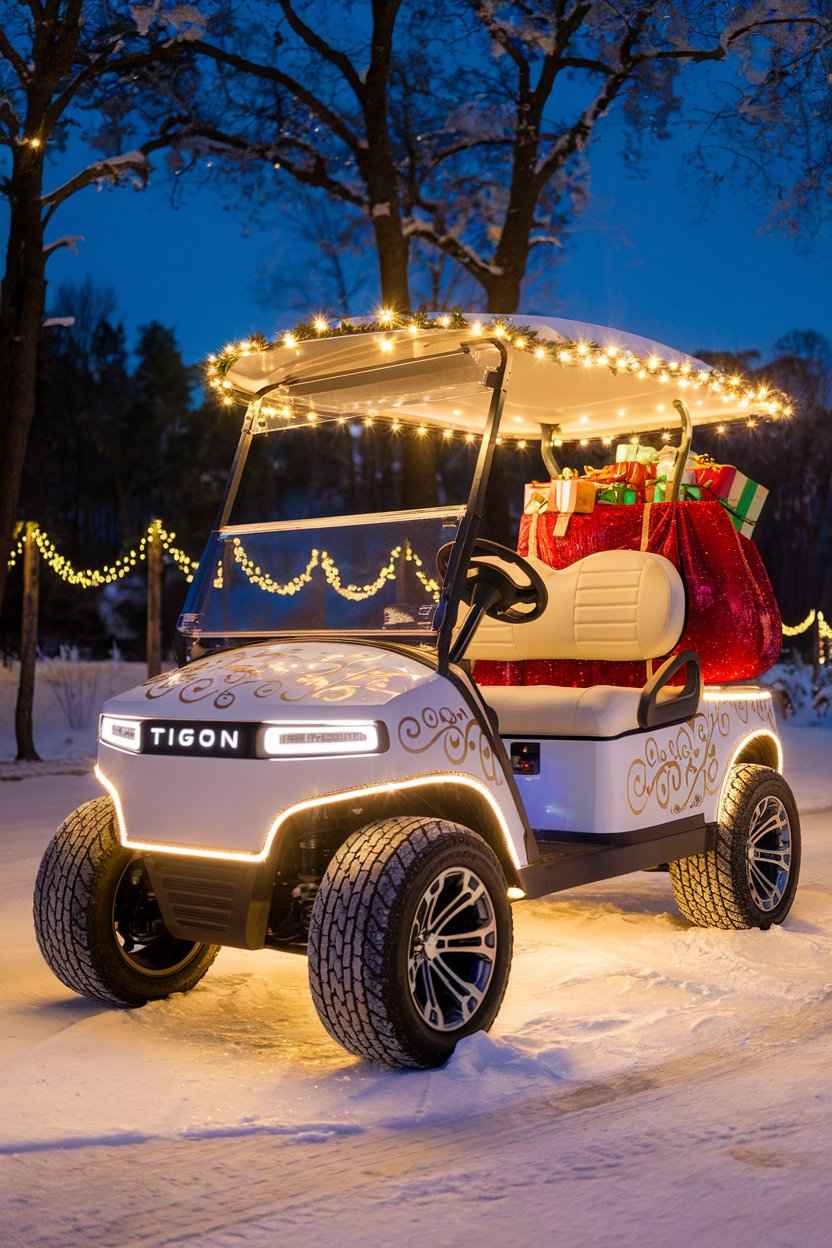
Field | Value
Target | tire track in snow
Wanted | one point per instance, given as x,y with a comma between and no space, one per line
230,1186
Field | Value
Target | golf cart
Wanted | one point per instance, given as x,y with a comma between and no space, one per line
323,773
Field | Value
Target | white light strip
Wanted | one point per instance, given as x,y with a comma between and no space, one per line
737,695
121,732
393,786
738,749
318,740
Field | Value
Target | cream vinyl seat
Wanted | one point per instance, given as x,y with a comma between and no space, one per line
555,711
612,605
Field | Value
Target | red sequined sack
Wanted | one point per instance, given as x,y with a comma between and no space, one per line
733,621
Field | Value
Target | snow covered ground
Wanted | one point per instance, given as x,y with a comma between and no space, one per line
646,1083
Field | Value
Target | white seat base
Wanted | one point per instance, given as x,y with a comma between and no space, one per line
601,711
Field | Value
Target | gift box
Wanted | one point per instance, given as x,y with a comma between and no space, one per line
619,493
628,472
741,497
666,465
659,491
538,496
634,452
716,479
572,494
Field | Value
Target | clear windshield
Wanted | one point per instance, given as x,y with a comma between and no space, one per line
365,574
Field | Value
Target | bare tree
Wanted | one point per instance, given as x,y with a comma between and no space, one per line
291,94
56,57
505,176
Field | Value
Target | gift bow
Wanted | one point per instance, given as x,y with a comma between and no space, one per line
628,472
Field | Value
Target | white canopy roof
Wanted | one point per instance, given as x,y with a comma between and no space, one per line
587,380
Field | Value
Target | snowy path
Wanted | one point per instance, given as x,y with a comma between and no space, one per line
646,1083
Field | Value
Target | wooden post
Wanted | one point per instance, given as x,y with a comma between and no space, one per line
28,649
154,599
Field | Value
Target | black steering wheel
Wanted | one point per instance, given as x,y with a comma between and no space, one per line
489,585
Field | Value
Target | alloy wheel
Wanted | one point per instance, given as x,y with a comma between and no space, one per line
452,949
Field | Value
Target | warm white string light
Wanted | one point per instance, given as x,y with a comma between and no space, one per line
766,400
96,578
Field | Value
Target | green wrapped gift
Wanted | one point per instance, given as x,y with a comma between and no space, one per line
619,493
657,491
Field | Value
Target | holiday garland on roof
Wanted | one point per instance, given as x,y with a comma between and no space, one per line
759,399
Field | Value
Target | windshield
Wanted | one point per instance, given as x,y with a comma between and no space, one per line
366,574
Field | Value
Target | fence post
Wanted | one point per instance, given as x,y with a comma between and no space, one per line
28,648
154,599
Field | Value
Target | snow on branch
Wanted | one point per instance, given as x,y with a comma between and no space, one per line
70,241
111,168
413,227
59,322
186,19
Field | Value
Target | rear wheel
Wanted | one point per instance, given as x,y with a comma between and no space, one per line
410,941
749,877
97,921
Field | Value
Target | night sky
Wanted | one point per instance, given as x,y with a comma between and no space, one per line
651,255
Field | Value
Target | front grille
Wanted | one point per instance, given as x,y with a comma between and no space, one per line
212,902
199,898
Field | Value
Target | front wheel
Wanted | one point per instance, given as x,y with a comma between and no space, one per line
410,940
97,922
749,877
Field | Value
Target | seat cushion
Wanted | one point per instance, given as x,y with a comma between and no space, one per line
553,711
611,605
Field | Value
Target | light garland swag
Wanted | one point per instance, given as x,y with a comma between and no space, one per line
95,578
761,400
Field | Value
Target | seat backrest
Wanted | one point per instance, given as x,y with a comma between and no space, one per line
615,604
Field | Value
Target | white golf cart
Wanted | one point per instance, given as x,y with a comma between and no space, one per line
323,774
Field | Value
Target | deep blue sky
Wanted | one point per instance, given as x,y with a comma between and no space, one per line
654,256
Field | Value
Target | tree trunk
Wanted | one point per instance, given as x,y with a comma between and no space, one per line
393,256
21,318
24,731
154,599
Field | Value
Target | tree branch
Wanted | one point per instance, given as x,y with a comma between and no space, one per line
112,167
501,37
270,73
318,44
8,50
453,247
318,175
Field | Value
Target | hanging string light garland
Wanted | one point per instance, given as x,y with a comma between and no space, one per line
759,399
794,630
332,574
96,578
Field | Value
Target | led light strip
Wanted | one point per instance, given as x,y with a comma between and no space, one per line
738,749
393,786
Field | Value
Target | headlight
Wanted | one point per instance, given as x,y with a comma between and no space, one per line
124,734
287,740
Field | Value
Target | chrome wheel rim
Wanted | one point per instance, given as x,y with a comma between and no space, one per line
452,949
769,853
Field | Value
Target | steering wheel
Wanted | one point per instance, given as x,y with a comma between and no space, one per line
490,584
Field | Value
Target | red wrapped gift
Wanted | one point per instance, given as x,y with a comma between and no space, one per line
732,622
628,472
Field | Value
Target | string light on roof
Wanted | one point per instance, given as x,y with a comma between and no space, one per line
759,399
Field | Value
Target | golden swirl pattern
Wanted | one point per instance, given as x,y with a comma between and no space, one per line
678,773
285,673
460,735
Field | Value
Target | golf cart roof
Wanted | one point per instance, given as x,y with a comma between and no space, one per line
578,380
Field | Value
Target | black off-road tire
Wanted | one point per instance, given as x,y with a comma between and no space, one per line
713,889
73,911
360,933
